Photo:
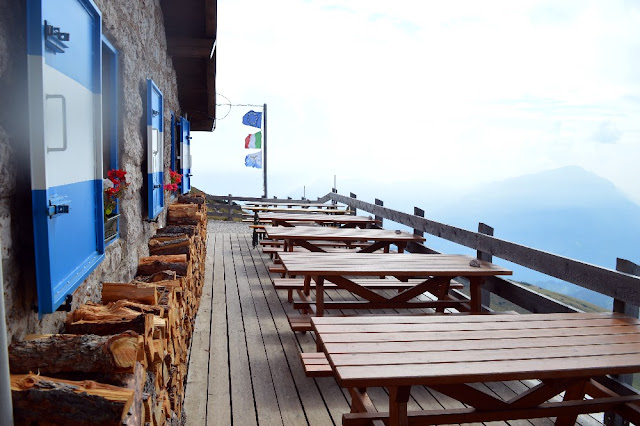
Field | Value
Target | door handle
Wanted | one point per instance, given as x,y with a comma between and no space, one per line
64,123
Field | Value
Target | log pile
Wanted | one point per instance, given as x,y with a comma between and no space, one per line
125,357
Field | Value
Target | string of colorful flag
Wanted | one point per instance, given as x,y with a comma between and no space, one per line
254,140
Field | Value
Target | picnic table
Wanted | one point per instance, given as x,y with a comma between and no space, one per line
304,236
290,219
437,271
297,210
569,353
293,204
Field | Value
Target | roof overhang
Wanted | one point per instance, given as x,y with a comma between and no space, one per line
191,28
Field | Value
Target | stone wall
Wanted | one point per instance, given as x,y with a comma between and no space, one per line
136,29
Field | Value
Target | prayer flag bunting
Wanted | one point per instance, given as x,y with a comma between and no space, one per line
253,119
254,160
253,141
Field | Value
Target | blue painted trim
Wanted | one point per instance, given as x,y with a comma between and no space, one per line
173,141
152,89
112,54
185,134
155,195
64,14
156,198
72,244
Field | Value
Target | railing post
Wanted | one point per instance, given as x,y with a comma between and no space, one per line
379,218
420,213
487,257
620,306
229,218
352,195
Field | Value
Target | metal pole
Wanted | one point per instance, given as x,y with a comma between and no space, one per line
264,150
6,410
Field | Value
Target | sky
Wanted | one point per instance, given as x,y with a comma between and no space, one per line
446,95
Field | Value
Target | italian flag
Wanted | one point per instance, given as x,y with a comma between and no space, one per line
253,141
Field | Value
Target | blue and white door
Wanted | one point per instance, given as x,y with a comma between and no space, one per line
185,154
63,43
155,149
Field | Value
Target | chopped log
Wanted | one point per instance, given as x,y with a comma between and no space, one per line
176,245
141,324
41,399
63,353
156,278
191,199
177,220
190,230
142,293
118,310
135,381
153,264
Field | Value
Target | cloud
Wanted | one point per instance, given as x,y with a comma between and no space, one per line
392,90
607,133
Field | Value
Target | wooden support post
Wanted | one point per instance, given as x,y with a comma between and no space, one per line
229,210
487,230
420,213
379,218
352,195
620,306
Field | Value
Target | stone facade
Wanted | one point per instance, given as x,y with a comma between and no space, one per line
136,29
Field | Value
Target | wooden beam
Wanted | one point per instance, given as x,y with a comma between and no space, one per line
190,47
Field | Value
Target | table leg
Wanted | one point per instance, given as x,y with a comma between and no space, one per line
320,296
573,393
398,398
476,293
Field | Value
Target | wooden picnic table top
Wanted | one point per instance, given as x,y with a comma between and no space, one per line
339,234
297,210
379,264
411,350
315,217
305,205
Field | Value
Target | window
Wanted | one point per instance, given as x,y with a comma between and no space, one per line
110,126
155,149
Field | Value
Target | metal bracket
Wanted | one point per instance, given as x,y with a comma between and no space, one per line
54,38
58,205
66,306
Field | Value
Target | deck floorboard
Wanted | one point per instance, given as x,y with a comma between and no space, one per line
244,365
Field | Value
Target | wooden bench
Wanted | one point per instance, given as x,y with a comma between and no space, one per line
291,284
316,364
277,269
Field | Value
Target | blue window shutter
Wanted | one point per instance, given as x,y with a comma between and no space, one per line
155,149
173,141
64,68
185,154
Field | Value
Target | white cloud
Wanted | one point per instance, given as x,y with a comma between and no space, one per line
465,91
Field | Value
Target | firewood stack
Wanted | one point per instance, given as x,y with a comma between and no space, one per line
126,357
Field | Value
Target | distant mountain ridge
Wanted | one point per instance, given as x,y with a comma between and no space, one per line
567,211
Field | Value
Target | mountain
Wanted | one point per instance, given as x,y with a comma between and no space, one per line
567,211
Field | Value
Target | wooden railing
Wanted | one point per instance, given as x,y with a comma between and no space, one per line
227,209
623,284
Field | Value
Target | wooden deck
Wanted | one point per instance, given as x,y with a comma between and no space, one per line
244,367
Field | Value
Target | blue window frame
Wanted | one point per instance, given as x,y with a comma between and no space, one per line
65,121
185,155
155,149
110,124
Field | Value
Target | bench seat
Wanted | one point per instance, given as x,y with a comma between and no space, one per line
316,364
291,284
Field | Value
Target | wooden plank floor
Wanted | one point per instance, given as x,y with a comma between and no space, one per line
244,366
